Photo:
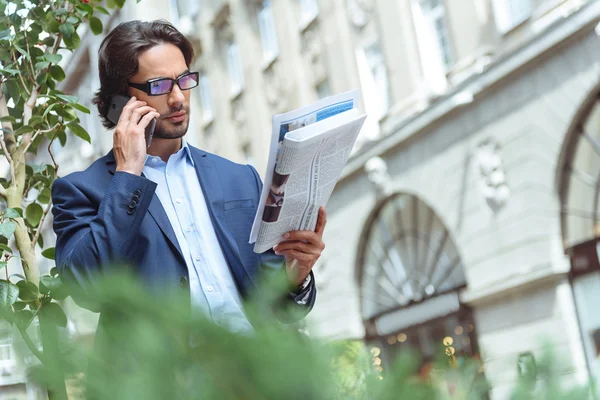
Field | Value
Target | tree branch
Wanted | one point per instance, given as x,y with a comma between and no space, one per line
3,193
35,135
41,225
6,126
32,347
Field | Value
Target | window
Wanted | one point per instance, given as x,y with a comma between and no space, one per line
206,99
510,13
235,68
7,358
374,80
309,9
268,34
434,14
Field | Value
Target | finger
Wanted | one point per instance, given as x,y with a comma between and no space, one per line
303,258
298,246
307,236
147,118
131,105
321,221
137,114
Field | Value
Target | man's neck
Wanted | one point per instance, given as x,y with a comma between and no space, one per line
164,148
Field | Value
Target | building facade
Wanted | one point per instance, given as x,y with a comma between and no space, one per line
468,214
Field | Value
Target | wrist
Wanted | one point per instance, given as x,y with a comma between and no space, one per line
133,171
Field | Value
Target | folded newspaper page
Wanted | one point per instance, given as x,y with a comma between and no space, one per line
309,149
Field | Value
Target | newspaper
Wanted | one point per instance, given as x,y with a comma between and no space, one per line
309,149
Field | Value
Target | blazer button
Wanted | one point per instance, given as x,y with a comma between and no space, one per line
137,192
183,281
130,211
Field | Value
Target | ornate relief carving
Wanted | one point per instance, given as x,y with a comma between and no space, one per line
275,91
312,48
360,12
493,177
378,175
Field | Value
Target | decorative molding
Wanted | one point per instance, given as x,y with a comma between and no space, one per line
377,173
275,90
312,50
360,12
493,177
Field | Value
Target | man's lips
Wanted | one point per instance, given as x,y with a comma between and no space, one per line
176,117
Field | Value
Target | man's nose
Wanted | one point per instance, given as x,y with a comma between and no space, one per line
176,96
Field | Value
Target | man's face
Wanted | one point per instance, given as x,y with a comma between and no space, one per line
164,61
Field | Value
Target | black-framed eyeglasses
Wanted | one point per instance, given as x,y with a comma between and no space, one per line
160,86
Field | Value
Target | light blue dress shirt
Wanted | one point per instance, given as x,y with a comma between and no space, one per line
212,287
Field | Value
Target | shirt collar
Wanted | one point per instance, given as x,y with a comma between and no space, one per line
185,148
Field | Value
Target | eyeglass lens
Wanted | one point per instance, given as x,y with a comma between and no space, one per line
164,86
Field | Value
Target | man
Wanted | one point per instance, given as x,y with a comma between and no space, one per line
181,215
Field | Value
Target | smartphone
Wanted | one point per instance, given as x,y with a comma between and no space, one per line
117,102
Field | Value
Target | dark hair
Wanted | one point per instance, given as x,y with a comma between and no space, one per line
118,56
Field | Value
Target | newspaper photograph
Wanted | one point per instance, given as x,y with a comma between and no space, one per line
309,149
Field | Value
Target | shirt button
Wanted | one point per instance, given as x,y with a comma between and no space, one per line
189,229
209,288
155,160
183,281
198,258
178,200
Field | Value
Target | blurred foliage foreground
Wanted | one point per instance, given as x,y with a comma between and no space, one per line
152,348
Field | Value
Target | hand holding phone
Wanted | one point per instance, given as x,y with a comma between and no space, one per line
134,121
117,103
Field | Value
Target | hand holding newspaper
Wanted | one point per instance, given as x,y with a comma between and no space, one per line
309,148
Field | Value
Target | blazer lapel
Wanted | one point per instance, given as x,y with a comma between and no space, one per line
155,210
213,194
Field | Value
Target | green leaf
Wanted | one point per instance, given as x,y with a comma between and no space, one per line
62,138
120,3
67,29
57,73
54,312
9,293
67,98
73,42
21,50
5,35
19,305
33,213
8,118
86,8
12,213
44,196
40,241
49,254
13,90
53,26
23,318
49,41
41,65
54,271
95,25
81,108
5,248
73,20
23,130
10,71
28,291
7,229
46,281
102,10
53,58
79,131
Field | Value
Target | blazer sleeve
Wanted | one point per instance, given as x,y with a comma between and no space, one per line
296,304
91,237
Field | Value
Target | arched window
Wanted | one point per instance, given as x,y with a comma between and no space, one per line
409,273
579,191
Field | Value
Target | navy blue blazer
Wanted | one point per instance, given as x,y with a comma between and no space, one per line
102,217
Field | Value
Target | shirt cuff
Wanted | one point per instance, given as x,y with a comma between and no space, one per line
302,295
